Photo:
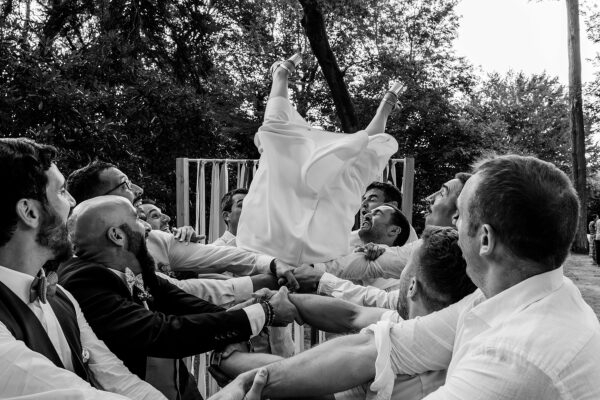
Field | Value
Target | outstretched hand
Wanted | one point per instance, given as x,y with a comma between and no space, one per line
187,234
285,274
308,278
238,389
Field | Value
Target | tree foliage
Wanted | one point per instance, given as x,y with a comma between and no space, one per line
141,82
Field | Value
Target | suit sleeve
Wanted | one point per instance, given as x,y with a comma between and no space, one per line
127,326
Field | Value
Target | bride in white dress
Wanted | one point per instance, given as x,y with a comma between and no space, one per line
301,204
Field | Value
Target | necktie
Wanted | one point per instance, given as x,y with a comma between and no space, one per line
43,286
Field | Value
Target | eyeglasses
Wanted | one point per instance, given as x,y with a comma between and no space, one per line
126,182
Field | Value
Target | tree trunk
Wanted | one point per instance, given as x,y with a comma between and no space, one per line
576,122
314,27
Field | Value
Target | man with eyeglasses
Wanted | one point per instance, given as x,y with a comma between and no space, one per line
101,178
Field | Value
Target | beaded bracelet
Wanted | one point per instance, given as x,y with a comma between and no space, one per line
270,312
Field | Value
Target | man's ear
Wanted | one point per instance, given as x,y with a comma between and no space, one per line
413,288
225,215
29,212
116,235
394,230
487,240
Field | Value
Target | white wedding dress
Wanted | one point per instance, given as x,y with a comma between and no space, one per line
301,204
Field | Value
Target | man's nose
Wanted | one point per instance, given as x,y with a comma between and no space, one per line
165,218
137,191
431,198
147,226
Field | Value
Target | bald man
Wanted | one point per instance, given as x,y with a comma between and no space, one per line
153,319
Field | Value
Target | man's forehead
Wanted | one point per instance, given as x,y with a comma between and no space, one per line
384,208
454,186
148,208
112,173
467,191
373,192
55,178
238,196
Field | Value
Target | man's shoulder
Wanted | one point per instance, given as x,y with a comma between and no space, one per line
76,272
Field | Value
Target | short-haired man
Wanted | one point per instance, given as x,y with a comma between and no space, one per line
434,278
525,334
154,216
169,252
156,319
47,348
378,193
231,209
323,279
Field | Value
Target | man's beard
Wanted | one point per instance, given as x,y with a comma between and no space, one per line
137,245
54,236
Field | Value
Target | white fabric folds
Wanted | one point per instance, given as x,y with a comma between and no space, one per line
307,188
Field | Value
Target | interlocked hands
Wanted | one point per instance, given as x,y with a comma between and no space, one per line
247,386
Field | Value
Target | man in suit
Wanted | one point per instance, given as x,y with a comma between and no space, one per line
47,349
153,319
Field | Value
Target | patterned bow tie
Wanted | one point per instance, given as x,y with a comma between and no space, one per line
43,287
134,280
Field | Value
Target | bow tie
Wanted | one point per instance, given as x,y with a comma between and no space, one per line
43,286
136,281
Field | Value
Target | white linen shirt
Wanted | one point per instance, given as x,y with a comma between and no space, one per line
226,239
356,266
535,340
24,372
368,296
204,258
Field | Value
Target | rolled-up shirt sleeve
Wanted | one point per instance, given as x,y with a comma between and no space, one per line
205,258
217,291
369,296
413,346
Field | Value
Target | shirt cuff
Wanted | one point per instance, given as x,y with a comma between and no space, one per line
242,288
256,316
327,284
263,263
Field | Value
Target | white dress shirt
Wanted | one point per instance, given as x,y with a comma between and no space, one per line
222,292
356,266
24,372
227,239
535,340
302,200
368,296
204,258
405,387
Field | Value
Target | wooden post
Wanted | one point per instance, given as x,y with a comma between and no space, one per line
576,123
183,191
408,183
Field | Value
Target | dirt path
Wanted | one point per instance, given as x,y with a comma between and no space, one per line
586,275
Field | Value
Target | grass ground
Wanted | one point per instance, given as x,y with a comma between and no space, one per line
586,275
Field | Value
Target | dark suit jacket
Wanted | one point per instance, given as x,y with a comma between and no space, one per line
179,324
